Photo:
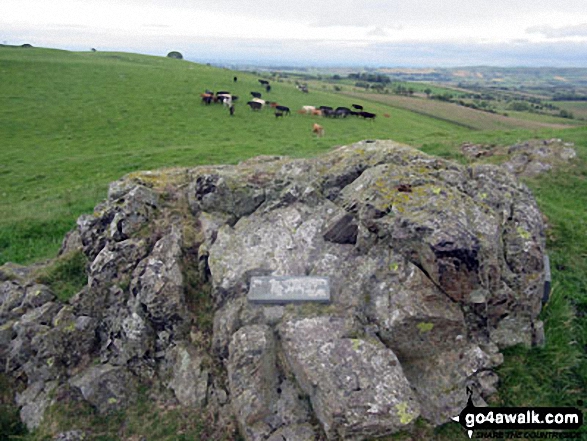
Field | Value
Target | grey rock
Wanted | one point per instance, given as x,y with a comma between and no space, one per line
11,295
367,395
71,435
71,242
33,401
108,388
297,432
342,229
189,379
37,295
433,269
157,283
440,381
252,378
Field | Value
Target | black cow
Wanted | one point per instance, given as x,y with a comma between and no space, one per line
278,114
263,82
235,79
342,112
256,94
283,109
368,115
328,112
268,88
255,105
356,106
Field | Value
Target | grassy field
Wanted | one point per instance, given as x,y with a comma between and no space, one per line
578,108
464,116
70,123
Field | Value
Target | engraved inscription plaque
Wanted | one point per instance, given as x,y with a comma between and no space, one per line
286,289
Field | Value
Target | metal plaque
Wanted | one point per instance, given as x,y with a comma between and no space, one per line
289,289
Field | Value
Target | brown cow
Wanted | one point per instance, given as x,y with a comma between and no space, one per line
318,130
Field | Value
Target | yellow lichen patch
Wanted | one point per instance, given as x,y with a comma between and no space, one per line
524,234
394,266
425,327
405,417
356,343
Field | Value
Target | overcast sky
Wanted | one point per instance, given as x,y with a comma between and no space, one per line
343,32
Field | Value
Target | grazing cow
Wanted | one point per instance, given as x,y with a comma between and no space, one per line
368,115
256,94
254,105
283,109
317,112
226,99
235,79
328,112
207,98
221,96
342,112
260,101
268,88
356,106
263,82
278,114
318,130
325,108
354,113
308,109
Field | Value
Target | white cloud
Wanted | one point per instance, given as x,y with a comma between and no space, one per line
549,31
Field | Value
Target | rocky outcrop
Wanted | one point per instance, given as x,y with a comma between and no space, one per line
434,268
527,159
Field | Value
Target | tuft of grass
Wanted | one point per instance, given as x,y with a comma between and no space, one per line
66,275
146,419
10,424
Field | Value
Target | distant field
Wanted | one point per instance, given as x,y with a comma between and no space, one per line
460,115
579,108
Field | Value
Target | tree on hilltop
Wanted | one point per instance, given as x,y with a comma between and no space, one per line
175,54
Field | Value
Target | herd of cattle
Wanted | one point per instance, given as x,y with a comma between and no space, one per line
257,103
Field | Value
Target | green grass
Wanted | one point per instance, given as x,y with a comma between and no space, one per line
70,123
65,275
